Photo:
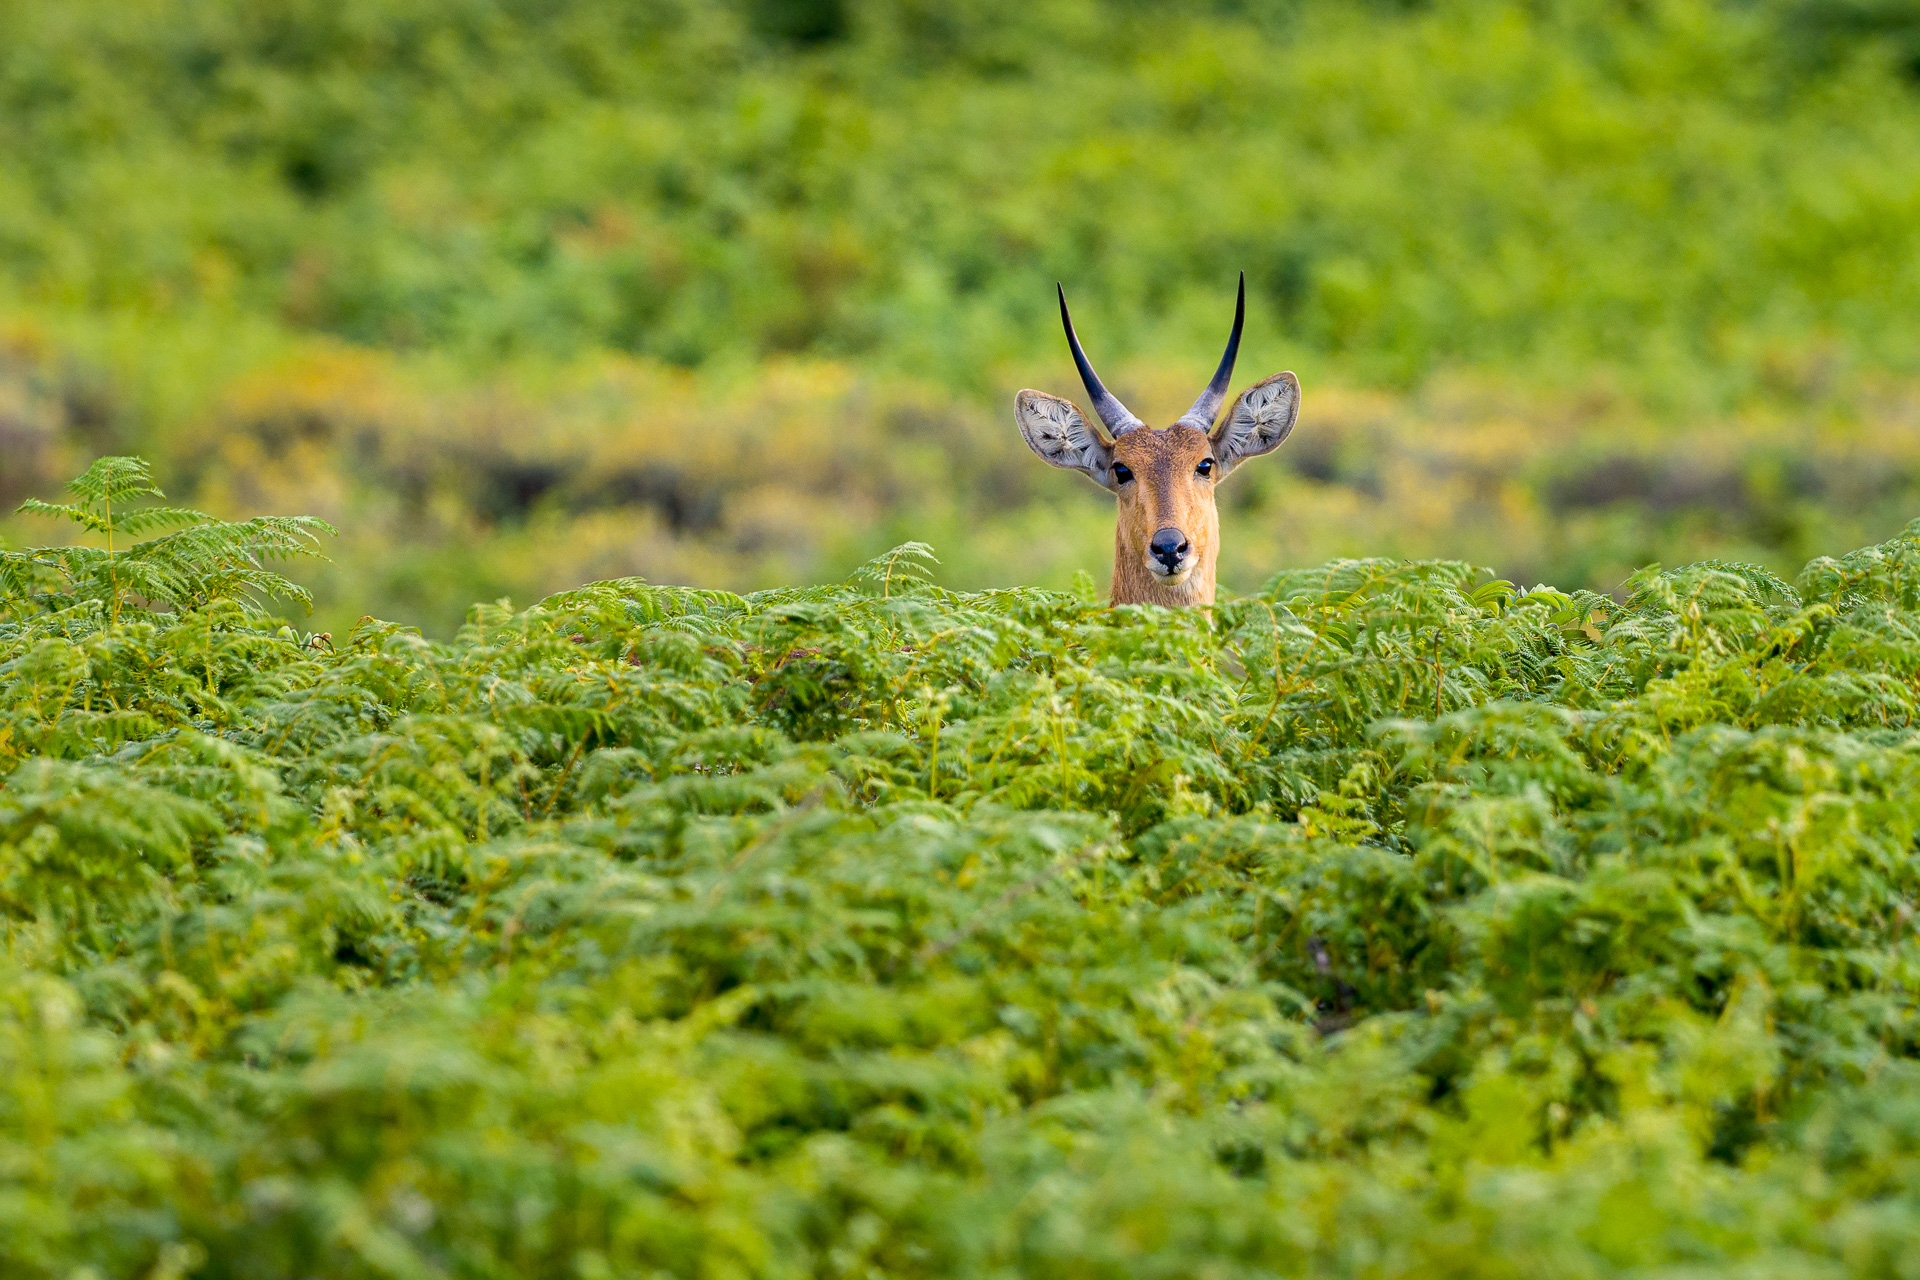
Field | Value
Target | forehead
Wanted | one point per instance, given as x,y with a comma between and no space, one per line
1176,444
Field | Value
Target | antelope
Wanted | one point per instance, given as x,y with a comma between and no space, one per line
1168,534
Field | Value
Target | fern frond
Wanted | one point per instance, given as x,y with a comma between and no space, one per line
905,567
224,560
148,519
208,560
25,574
86,519
114,480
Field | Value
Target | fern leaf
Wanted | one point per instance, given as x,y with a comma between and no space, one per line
114,480
88,520
148,519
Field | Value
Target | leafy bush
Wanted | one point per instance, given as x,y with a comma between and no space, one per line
1388,921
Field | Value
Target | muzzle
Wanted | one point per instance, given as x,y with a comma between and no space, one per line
1167,553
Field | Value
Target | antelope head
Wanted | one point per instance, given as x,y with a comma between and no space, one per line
1168,537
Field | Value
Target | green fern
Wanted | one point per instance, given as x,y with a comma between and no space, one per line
202,561
1391,921
905,568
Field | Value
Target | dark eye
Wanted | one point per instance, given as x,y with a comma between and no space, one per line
1120,473
1205,468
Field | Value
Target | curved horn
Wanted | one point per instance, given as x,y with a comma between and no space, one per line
1116,415
1207,407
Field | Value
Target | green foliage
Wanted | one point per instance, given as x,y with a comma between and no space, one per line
1671,189
208,560
1641,275
1389,921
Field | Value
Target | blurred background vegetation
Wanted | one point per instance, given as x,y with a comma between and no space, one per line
522,293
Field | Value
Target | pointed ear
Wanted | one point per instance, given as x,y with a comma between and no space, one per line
1057,431
1259,420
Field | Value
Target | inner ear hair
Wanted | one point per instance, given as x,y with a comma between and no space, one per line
1060,434
1260,420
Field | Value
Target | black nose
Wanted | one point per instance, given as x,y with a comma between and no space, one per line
1169,547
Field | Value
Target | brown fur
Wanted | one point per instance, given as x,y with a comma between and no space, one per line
1165,492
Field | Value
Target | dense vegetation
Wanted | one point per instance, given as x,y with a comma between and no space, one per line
1680,183
1388,922
525,293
